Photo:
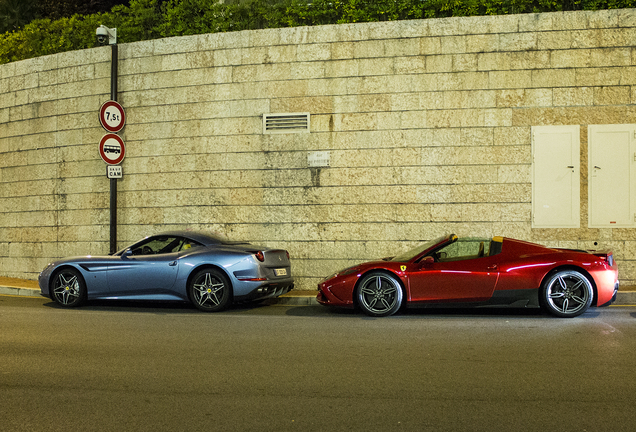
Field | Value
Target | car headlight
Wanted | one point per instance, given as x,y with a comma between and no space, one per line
329,277
349,271
344,272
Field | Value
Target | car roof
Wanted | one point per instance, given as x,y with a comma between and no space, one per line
198,236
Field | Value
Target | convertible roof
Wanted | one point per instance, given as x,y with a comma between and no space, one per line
198,236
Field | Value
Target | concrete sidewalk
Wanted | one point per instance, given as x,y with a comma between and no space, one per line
24,287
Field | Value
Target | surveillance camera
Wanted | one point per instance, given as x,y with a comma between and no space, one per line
102,35
106,35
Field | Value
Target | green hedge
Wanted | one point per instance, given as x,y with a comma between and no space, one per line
144,19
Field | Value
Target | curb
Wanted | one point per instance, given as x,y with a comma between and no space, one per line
294,298
19,291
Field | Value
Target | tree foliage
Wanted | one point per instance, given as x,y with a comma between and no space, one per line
14,14
149,19
56,9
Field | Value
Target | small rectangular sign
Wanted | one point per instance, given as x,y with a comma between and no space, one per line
114,171
317,159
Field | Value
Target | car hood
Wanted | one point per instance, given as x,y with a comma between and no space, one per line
86,259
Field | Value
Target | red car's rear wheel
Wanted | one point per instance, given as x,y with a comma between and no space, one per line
566,294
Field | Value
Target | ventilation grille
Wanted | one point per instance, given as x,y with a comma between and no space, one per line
285,123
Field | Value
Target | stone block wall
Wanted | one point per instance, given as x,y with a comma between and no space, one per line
427,124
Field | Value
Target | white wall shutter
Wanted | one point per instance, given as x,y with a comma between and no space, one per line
556,177
612,176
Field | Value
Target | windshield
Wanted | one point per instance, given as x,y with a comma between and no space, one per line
409,255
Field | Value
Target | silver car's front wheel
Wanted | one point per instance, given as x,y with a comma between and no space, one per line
566,294
210,290
68,287
379,294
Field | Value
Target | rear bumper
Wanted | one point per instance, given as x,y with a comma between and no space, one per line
613,299
267,290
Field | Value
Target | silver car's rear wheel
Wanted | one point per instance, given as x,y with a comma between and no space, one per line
566,294
210,290
379,294
68,288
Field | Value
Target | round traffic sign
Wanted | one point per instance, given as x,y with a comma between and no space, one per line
112,149
112,116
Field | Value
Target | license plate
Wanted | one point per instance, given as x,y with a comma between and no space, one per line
280,272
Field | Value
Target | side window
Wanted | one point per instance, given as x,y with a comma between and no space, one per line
187,244
463,249
158,245
163,245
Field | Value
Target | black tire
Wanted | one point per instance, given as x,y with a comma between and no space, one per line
210,290
566,294
68,288
379,294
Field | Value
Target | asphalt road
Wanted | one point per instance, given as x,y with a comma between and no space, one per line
147,367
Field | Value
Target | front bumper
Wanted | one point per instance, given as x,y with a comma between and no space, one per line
321,298
326,297
43,282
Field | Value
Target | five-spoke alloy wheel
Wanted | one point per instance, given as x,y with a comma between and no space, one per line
210,290
379,294
566,293
69,289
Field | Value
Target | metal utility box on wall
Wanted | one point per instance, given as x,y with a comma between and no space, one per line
556,176
612,176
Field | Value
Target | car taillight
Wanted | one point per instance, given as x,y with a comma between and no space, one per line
607,258
287,254
260,256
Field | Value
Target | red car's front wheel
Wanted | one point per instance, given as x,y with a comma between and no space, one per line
379,294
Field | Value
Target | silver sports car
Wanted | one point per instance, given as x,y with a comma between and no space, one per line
204,269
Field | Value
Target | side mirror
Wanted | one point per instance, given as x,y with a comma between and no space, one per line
426,261
127,253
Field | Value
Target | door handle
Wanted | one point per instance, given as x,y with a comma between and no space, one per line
172,263
492,267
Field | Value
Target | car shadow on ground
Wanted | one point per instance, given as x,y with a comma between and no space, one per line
156,306
129,306
263,308
423,313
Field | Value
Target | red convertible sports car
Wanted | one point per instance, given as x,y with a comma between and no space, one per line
477,272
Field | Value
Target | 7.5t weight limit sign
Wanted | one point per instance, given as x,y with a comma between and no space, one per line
112,116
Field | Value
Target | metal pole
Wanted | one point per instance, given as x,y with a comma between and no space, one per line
113,181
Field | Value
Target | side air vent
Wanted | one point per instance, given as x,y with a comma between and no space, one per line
285,123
